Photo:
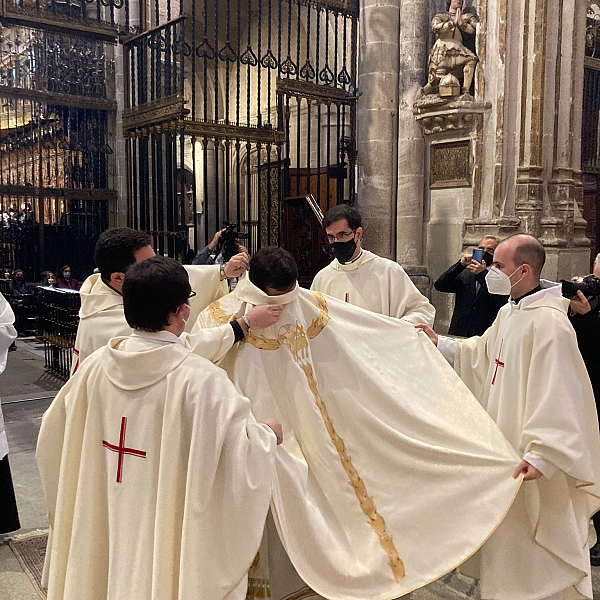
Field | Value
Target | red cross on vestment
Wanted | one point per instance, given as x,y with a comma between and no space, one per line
498,362
122,449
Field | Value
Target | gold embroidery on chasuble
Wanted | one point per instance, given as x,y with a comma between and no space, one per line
218,314
295,337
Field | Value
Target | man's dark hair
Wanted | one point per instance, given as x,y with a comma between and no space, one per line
529,251
115,248
272,267
343,211
153,289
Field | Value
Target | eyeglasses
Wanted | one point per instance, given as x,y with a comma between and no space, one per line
192,294
340,237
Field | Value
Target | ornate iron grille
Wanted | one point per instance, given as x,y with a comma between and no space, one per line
233,106
55,149
592,33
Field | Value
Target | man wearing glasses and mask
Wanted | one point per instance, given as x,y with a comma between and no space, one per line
364,279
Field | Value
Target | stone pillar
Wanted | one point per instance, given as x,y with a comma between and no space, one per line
414,35
378,122
562,226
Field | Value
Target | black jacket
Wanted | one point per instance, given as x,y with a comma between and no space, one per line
587,328
474,310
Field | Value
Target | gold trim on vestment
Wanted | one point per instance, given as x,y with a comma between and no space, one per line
259,588
218,314
296,339
305,592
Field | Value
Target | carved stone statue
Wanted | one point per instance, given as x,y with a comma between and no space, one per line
450,60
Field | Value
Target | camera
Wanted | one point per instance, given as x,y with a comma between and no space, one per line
228,240
589,285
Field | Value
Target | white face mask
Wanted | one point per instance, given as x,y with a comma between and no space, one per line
498,282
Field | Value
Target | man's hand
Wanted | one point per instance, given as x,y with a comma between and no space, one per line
528,471
477,267
431,334
237,265
277,429
264,315
466,260
579,304
213,243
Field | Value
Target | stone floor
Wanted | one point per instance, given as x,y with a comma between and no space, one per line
27,390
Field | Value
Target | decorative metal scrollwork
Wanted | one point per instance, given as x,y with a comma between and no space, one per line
248,57
288,67
326,75
307,72
592,32
226,54
205,50
269,61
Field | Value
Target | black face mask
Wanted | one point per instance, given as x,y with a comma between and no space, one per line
488,258
18,278
343,251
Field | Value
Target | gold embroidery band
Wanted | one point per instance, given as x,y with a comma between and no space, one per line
376,521
296,339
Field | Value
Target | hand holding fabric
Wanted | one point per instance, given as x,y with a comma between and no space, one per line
429,332
264,315
277,429
528,471
237,265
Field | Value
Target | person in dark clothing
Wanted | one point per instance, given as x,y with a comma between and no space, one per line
65,280
475,308
584,314
21,299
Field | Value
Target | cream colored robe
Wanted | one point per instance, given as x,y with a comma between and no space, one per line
184,521
377,284
7,335
101,315
542,400
388,463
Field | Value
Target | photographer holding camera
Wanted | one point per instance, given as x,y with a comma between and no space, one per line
222,248
474,308
584,314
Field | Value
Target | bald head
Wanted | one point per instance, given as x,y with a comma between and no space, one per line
526,250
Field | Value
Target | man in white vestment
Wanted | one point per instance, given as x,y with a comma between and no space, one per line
364,279
101,315
528,374
9,515
157,476
391,473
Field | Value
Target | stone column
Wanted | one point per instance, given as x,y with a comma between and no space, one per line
414,35
378,122
562,226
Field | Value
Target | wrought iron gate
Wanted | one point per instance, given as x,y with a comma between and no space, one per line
56,110
234,105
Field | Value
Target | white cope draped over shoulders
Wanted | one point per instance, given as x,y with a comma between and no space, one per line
388,465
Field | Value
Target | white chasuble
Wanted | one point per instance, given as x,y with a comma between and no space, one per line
377,284
101,315
390,474
527,372
7,335
156,475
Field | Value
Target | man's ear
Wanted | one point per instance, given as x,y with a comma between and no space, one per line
117,279
359,232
